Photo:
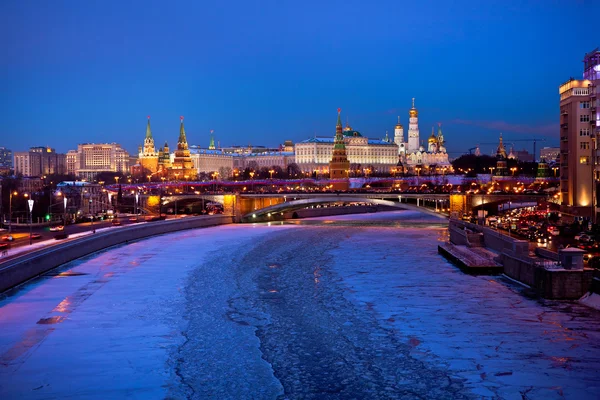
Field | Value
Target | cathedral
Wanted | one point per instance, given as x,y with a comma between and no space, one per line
413,154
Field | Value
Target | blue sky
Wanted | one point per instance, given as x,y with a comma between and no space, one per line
264,72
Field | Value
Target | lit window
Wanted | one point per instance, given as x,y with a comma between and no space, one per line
584,145
584,160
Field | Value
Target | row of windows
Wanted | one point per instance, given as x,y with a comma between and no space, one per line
584,118
584,132
584,145
584,104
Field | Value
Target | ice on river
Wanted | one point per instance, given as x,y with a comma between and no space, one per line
330,308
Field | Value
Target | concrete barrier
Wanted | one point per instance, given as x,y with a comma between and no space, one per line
30,265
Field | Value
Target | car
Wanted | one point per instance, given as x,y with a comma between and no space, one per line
36,236
56,228
116,222
8,238
554,231
589,234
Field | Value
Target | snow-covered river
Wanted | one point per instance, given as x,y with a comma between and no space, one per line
352,307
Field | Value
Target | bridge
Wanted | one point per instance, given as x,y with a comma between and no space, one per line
247,207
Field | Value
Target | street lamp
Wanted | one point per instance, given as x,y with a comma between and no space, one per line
30,202
252,179
10,209
148,176
65,212
554,169
117,180
137,207
271,172
513,169
91,215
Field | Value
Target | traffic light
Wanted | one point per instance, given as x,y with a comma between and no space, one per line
47,217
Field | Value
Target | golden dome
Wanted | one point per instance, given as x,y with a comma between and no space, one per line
432,138
399,125
413,113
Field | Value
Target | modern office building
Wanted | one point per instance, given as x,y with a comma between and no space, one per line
90,158
39,161
6,157
579,130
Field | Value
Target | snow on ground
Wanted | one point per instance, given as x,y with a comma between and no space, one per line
352,306
106,327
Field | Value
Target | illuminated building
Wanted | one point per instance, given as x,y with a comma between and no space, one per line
6,158
90,158
39,161
550,154
364,154
339,166
148,157
579,129
182,164
414,155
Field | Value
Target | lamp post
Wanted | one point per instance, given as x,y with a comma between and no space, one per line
30,202
91,215
148,176
65,212
10,209
252,180
271,172
137,199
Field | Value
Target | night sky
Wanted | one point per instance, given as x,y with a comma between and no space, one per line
264,72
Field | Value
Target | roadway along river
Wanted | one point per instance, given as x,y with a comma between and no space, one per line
349,307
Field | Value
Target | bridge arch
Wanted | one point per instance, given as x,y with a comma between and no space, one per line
305,202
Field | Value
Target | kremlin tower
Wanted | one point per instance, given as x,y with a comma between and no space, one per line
164,160
148,157
182,163
339,164
413,129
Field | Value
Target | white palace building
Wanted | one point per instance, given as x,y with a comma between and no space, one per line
376,155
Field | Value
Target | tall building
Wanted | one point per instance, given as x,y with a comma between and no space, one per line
90,158
413,129
148,156
182,162
339,166
6,157
579,130
39,161
434,159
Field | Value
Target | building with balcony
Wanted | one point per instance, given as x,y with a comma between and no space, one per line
579,131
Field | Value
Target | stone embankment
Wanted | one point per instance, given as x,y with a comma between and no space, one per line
20,269
479,249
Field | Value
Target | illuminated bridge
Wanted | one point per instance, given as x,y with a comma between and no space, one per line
259,207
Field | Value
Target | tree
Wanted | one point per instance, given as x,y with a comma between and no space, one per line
109,177
293,171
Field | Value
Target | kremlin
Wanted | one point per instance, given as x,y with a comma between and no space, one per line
342,155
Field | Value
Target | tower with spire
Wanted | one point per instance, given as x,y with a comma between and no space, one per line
182,163
399,138
501,165
164,160
339,165
148,157
211,145
413,129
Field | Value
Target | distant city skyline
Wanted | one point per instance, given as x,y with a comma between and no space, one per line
78,72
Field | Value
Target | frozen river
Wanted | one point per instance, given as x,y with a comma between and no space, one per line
352,307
